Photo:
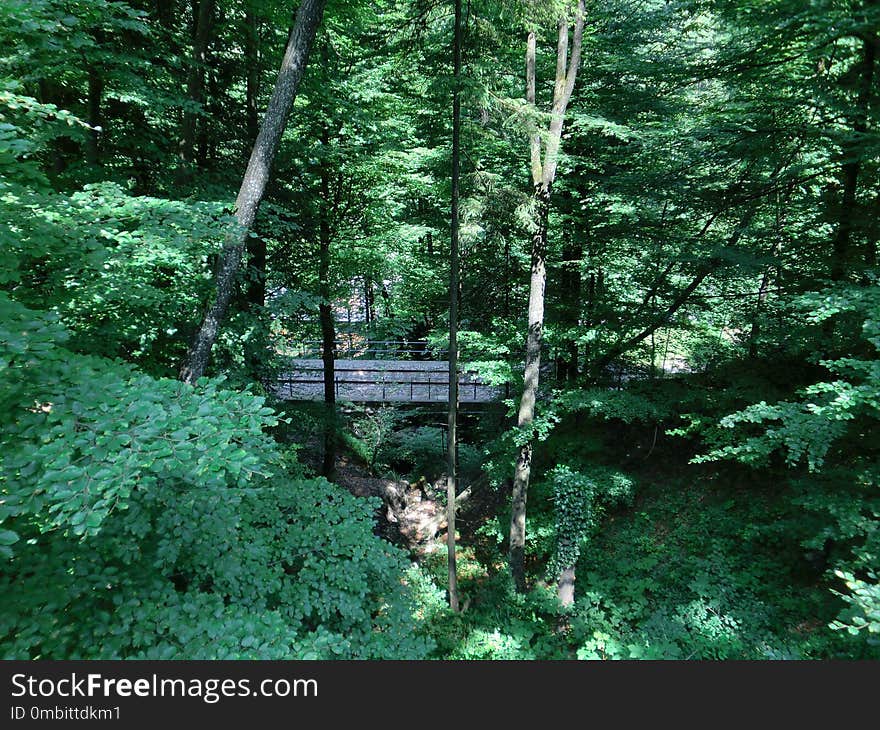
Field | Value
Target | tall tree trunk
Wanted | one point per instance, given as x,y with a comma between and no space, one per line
252,71
96,93
852,162
570,305
526,414
253,185
543,175
507,278
452,441
195,83
328,330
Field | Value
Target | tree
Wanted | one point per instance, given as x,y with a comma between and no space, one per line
195,84
703,260
253,185
325,309
543,171
452,425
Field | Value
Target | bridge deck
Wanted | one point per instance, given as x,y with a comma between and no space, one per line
378,381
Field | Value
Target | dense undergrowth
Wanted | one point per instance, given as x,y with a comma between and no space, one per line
699,567
689,561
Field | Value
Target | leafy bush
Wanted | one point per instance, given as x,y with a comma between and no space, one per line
421,452
828,429
146,518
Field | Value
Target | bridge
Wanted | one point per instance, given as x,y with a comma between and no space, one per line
382,381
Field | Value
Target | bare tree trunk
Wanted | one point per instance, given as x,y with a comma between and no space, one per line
253,185
452,441
570,305
853,163
195,83
565,586
252,71
328,330
543,175
522,472
96,93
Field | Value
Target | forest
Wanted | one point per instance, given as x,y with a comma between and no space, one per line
440,329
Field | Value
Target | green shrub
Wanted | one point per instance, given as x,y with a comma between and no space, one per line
147,518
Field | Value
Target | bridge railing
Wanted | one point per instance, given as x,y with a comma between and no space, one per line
397,386
370,349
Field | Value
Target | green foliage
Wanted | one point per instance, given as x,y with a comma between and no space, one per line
807,429
372,429
624,405
697,573
863,599
123,272
26,126
828,431
207,575
146,518
421,452
500,624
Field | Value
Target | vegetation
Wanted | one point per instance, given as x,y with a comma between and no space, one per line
651,225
